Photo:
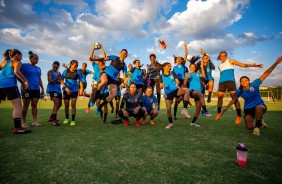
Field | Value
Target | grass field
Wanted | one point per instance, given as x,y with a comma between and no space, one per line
92,152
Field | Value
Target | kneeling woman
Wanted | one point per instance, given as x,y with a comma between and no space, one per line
254,107
170,82
133,102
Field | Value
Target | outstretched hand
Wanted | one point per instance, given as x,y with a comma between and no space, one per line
279,59
258,65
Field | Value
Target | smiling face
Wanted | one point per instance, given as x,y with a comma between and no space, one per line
167,67
73,66
137,64
153,59
178,60
149,92
192,68
132,89
123,55
245,82
55,67
223,56
206,60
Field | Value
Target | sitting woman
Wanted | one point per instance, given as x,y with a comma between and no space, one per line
133,106
254,107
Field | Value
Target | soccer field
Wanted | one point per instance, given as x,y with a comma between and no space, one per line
91,152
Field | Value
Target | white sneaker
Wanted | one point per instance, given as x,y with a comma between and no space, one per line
185,113
264,125
207,114
195,124
170,125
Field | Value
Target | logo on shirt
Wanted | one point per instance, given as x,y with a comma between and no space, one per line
252,89
208,70
171,77
151,100
179,66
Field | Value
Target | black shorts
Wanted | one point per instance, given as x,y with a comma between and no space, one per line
84,85
181,82
117,97
103,96
171,95
110,80
252,111
27,94
68,97
10,93
227,85
138,86
54,94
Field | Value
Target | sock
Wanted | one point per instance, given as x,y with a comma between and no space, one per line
111,104
116,112
238,112
210,93
218,110
159,98
170,119
258,123
105,117
96,96
67,116
53,116
175,109
73,117
17,122
185,104
151,118
194,119
205,108
102,104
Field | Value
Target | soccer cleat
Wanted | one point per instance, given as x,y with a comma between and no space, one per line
25,125
56,124
143,122
87,109
91,104
36,124
126,123
72,123
18,131
256,131
203,112
238,120
152,122
66,121
218,116
175,118
169,126
50,119
137,123
207,114
185,113
195,124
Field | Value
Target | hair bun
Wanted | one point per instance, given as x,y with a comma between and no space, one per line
30,52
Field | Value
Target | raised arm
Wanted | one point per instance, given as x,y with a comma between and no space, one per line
269,70
244,65
203,74
186,53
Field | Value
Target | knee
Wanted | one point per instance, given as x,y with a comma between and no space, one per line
155,112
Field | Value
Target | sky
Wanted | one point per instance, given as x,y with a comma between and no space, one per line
62,30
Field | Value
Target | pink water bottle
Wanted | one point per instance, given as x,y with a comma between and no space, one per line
242,155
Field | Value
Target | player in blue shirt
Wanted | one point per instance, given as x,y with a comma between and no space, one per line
9,73
227,82
54,89
84,72
109,75
103,96
170,83
148,100
69,81
254,107
31,95
136,75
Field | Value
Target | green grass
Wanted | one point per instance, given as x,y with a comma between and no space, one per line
94,153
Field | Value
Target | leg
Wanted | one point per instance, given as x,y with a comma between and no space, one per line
186,93
34,110
210,89
73,111
168,104
237,106
17,113
153,114
26,103
158,89
175,108
249,121
67,105
197,112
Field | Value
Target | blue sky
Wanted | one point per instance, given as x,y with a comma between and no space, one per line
249,30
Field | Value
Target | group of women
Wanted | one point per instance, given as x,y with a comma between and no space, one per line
179,84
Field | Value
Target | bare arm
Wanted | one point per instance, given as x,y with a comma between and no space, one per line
244,65
50,80
186,53
269,70
41,85
203,74
17,66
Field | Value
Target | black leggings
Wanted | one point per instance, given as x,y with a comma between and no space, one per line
138,116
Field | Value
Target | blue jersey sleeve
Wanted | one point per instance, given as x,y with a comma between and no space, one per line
64,73
257,82
155,101
112,57
88,72
238,93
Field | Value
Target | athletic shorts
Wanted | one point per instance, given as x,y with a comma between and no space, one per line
68,97
110,80
171,95
84,84
103,96
228,85
252,111
117,97
181,82
10,93
94,83
27,94
54,94
196,98
138,86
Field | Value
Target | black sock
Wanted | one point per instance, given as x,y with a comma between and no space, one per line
67,116
210,93
73,117
175,109
102,104
185,104
258,123
105,117
238,112
111,104
53,116
218,110
159,98
204,108
151,118
194,119
17,122
96,96
203,89
170,119
116,112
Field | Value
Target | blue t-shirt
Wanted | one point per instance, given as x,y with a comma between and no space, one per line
115,67
195,81
169,82
179,71
137,76
105,89
54,86
71,79
32,75
84,73
148,102
208,72
7,76
251,96
97,72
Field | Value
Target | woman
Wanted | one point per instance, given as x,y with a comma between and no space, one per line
10,72
103,96
31,95
84,72
227,82
148,100
136,75
109,75
117,98
54,89
133,106
254,107
170,84
69,81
